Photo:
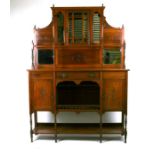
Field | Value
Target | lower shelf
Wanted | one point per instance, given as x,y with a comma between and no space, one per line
79,128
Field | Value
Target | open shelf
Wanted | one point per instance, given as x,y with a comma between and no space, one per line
84,96
78,128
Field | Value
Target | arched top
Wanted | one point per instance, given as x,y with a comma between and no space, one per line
77,83
44,28
107,25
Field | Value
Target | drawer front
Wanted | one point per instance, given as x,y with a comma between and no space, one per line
42,75
78,75
113,75
76,56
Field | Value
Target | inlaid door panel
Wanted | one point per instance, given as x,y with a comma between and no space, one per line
113,94
42,94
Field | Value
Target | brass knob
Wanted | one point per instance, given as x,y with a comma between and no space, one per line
63,75
91,74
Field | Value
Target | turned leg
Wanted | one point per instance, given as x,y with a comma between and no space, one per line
125,137
55,127
35,118
125,125
31,131
100,127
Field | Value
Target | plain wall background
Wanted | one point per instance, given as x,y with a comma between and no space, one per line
16,35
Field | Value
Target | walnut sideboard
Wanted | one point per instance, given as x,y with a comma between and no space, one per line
78,65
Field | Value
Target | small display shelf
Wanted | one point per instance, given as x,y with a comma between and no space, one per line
112,56
78,128
45,56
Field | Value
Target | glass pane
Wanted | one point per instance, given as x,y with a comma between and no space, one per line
78,21
60,28
45,56
96,28
112,56
70,27
85,28
77,27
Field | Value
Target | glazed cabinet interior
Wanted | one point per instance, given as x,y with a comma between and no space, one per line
78,65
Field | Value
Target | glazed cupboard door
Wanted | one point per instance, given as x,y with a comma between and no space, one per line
42,94
113,94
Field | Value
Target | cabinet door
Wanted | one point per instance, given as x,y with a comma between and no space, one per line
42,94
113,94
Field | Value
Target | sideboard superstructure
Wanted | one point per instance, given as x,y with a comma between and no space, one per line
78,65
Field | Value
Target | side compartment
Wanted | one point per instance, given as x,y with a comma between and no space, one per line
41,91
114,90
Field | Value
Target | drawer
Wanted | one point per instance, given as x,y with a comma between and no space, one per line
113,75
78,75
42,75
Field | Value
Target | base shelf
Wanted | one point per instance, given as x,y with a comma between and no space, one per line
78,128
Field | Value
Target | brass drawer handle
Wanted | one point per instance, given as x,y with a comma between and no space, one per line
91,75
64,75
